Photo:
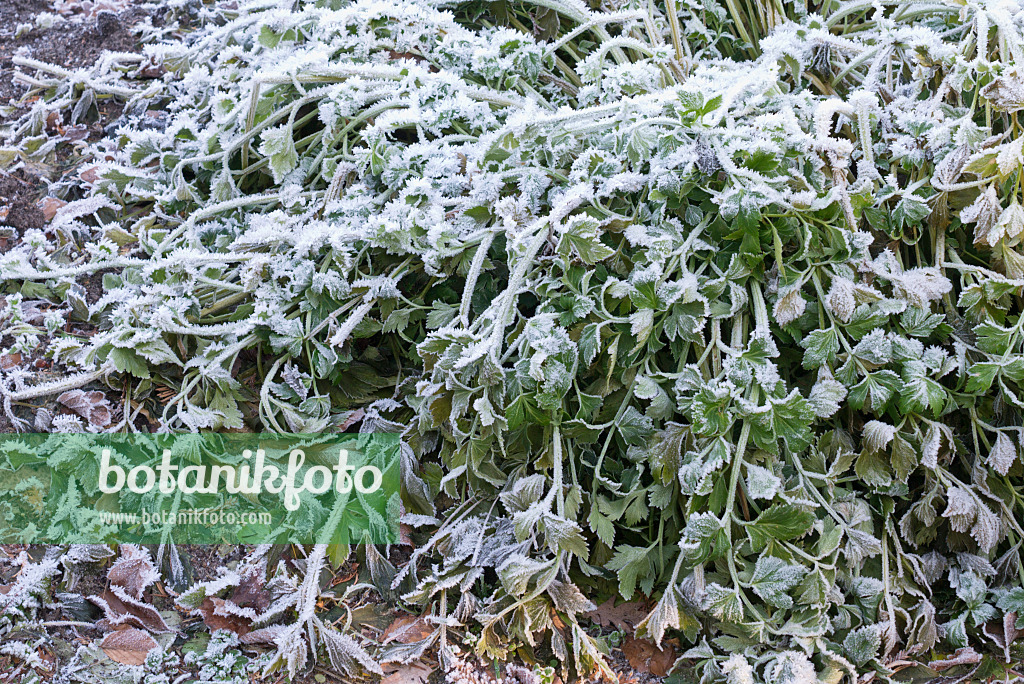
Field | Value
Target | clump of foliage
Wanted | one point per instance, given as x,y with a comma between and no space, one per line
715,304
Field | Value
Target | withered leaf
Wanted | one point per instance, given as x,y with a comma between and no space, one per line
963,656
645,657
134,571
625,616
129,646
91,405
220,614
407,629
413,673
120,609
50,205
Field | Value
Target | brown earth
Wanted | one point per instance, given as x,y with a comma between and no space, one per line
88,28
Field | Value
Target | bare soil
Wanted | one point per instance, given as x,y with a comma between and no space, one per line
20,192
75,42
84,31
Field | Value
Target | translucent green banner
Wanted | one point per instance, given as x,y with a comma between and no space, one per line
199,488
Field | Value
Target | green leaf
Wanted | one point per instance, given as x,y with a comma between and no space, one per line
725,604
862,644
904,458
634,426
872,468
279,147
821,346
874,391
583,238
773,577
918,322
630,562
788,418
701,539
981,375
590,343
908,212
864,319
919,392
127,361
1013,602
665,451
602,526
781,522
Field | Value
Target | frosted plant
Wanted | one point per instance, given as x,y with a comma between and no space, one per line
714,304
30,591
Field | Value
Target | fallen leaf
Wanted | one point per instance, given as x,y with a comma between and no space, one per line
407,629
91,174
152,70
120,609
413,673
50,205
9,361
53,122
624,617
74,133
646,658
265,635
129,646
963,656
134,570
1004,633
372,616
220,614
251,592
351,419
92,406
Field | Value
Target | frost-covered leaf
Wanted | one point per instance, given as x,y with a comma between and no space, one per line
789,306
129,646
1002,454
92,405
773,578
279,147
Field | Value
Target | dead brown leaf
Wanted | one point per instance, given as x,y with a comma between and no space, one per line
129,646
407,629
1004,633
963,656
220,614
413,673
9,361
90,175
152,69
134,570
624,617
251,592
645,657
351,419
92,406
120,609
50,205
74,133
